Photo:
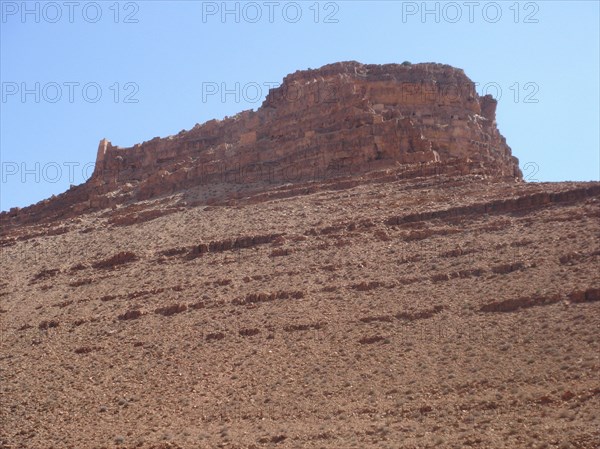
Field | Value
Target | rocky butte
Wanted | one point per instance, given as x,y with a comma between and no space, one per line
342,119
356,264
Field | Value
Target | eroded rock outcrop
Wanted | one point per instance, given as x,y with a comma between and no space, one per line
344,119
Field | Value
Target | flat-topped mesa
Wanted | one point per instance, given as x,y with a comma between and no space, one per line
342,119
344,114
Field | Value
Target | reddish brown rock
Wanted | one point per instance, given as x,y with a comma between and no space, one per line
342,119
407,306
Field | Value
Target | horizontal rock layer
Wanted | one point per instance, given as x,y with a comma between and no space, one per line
342,119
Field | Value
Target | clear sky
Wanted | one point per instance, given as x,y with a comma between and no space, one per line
75,72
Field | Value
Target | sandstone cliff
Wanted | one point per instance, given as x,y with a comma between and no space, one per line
373,278
342,119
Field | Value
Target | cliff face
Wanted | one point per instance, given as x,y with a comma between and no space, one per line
400,286
342,119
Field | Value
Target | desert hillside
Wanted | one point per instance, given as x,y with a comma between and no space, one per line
404,288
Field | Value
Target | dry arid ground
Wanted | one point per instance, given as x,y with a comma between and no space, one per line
442,312
369,271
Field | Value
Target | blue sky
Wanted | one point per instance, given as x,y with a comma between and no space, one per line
73,73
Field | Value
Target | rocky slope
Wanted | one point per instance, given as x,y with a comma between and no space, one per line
403,303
